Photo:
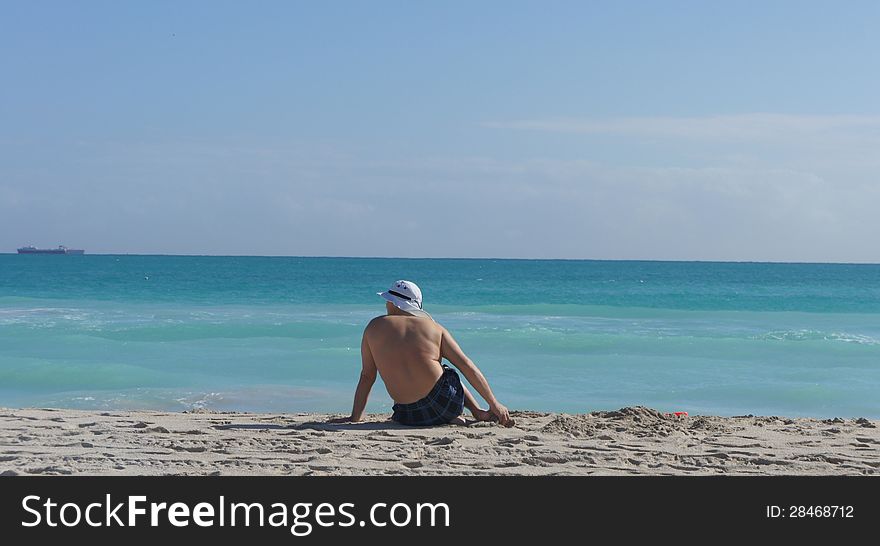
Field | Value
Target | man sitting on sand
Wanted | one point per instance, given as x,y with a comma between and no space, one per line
406,347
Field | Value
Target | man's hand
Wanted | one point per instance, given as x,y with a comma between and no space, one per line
502,414
339,420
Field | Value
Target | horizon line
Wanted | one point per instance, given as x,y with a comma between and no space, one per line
793,262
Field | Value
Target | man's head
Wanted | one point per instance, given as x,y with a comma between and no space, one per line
404,297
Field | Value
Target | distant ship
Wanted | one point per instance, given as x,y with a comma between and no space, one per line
60,250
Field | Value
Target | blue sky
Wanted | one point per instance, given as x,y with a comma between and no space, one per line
625,130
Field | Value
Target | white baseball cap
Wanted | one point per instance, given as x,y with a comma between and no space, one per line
406,296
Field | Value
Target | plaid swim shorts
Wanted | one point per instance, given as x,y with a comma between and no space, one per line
444,403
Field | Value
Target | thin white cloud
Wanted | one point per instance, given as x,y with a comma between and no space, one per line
755,126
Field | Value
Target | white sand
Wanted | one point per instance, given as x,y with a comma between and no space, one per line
627,441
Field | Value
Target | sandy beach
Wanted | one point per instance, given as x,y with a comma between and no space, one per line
633,440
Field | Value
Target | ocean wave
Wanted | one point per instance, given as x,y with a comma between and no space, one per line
200,401
818,335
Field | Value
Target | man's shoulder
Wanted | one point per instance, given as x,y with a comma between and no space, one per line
375,321
381,320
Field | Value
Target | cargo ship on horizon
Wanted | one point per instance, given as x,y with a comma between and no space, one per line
30,249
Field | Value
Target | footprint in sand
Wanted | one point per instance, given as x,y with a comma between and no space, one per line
385,438
192,449
48,470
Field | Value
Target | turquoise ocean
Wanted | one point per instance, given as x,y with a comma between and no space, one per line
283,333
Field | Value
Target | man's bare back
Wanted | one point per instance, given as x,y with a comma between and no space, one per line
406,350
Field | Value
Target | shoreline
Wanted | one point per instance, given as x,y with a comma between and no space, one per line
629,441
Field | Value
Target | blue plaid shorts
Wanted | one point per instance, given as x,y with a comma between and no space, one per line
444,403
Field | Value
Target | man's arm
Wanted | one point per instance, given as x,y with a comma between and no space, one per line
365,383
450,350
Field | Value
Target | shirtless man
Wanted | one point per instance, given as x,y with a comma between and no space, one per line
406,348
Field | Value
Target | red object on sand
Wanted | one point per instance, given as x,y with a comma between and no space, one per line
679,413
